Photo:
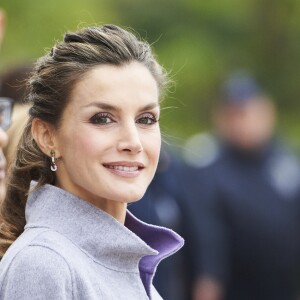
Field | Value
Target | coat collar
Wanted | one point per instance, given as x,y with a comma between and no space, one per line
109,242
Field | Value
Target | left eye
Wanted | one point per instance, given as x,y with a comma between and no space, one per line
147,120
101,119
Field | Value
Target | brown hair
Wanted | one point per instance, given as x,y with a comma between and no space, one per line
50,85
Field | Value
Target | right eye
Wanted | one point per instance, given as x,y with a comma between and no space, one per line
101,119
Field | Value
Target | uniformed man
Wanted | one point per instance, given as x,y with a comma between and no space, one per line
244,207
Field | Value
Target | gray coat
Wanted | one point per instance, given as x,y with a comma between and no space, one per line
72,250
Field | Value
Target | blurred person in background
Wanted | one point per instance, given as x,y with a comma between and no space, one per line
5,120
244,207
13,85
162,205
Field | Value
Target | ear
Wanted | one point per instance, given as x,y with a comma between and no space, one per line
44,135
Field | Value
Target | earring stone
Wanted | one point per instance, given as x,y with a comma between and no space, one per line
53,166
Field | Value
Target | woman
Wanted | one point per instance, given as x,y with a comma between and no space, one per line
91,145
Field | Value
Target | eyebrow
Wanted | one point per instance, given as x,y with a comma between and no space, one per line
106,106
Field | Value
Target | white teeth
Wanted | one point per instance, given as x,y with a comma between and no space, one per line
123,168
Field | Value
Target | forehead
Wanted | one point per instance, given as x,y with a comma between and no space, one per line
129,84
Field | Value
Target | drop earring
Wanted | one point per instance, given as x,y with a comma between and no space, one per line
53,166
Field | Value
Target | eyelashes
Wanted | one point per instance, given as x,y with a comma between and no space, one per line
101,119
147,119
104,118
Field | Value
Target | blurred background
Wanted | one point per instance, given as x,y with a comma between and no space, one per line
225,185
199,42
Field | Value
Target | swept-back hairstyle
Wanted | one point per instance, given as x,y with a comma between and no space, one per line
50,86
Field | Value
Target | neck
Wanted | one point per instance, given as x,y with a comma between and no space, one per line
116,209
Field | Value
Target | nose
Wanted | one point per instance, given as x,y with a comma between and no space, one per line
129,139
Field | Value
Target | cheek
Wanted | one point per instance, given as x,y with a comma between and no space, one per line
78,143
152,146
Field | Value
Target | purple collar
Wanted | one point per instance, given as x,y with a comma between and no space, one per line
163,240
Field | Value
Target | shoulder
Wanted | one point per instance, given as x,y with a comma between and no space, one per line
283,170
35,258
33,271
41,240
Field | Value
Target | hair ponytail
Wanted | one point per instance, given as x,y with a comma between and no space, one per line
30,163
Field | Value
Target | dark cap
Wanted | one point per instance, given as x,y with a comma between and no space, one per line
240,88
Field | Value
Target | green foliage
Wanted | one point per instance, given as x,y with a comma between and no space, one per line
34,26
198,41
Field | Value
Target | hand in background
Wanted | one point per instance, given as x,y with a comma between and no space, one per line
207,289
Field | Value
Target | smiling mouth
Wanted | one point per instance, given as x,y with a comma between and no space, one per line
125,169
122,168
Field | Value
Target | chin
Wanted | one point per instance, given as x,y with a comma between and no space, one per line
135,200
131,197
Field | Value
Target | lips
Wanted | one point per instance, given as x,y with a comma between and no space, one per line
124,164
125,169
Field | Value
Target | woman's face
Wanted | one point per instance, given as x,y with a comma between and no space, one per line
109,139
